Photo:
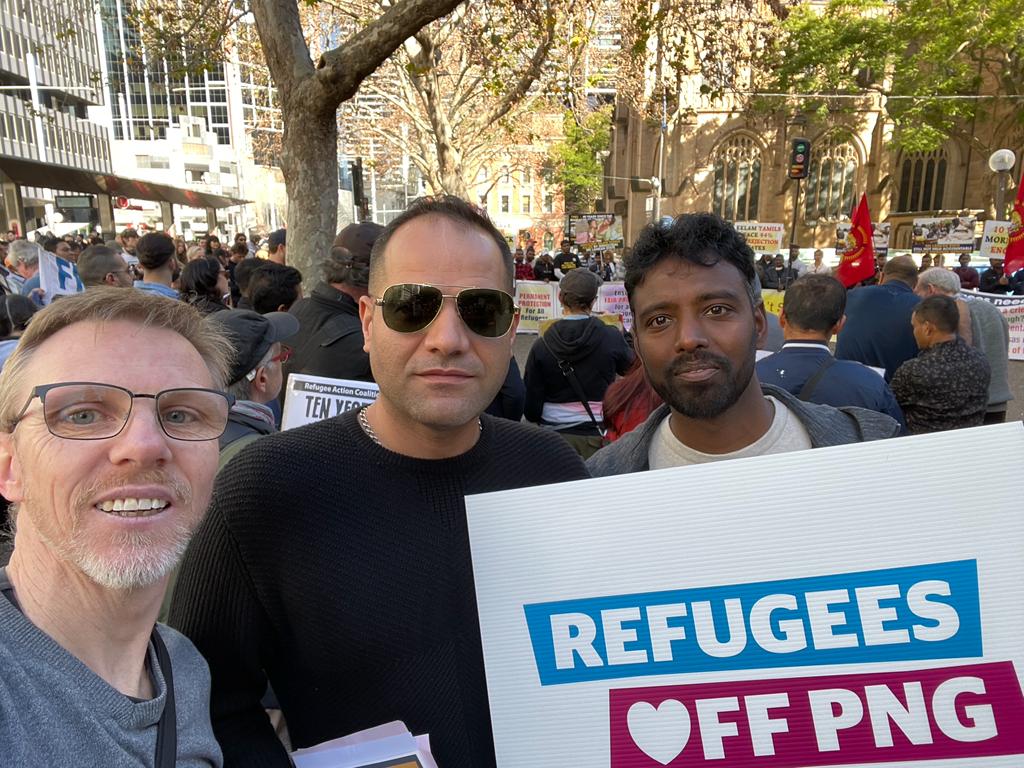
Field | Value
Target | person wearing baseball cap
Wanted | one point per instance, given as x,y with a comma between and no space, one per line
330,342
255,377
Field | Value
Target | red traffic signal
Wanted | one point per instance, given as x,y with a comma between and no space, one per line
800,159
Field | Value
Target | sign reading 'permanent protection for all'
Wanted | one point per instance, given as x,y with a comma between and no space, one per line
314,398
686,618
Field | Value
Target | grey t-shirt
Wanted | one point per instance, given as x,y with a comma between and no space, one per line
786,433
55,712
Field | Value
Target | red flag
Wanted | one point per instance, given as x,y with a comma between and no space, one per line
1015,247
858,262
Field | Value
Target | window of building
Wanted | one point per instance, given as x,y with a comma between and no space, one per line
831,181
504,204
549,241
737,166
527,175
922,181
524,203
549,203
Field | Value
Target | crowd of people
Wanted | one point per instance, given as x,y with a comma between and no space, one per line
321,580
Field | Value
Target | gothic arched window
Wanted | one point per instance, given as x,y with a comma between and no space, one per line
922,181
737,179
831,182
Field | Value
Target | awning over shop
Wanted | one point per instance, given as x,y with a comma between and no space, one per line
32,173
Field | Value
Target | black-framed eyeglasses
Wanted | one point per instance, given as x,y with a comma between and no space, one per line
411,307
83,410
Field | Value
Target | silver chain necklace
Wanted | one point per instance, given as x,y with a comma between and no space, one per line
364,423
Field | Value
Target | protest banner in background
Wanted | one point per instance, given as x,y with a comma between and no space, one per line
57,277
995,239
1012,308
879,238
688,617
772,300
951,234
762,237
314,398
597,231
612,299
538,301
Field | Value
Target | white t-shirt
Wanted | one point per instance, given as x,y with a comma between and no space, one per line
786,433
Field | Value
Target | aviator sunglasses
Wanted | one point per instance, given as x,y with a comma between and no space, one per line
411,307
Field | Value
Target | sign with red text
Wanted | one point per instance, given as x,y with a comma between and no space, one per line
995,239
538,301
612,300
762,237
687,618
1012,308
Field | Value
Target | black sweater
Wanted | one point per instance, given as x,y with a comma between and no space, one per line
343,570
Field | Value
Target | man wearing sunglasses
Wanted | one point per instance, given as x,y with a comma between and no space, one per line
110,410
335,559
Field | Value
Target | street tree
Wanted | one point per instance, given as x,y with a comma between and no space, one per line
937,71
577,161
309,90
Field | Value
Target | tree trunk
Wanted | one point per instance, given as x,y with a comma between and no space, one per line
309,162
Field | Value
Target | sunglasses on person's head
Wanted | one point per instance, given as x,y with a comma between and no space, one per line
411,307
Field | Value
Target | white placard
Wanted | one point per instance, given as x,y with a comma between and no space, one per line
762,237
818,608
315,398
995,239
538,302
58,277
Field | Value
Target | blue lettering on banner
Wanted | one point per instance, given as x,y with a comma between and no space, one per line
66,272
896,614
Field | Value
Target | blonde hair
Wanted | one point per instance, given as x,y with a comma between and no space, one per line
99,305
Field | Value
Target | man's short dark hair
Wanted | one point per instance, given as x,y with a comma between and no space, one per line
240,249
940,311
273,285
98,261
452,208
698,238
155,250
50,244
244,270
901,268
815,303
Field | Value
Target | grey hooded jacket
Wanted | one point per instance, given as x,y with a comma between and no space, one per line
825,425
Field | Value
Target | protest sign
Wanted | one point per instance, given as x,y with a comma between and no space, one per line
689,617
772,300
761,237
314,398
1012,308
995,239
57,277
385,746
950,234
597,231
612,299
538,301
879,238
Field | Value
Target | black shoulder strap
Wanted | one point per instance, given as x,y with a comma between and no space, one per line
812,383
570,373
167,730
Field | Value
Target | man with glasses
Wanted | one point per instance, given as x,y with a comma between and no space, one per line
335,558
256,377
110,410
100,265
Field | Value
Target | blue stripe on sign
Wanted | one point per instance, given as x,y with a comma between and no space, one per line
896,614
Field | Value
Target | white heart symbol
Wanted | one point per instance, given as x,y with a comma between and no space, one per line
660,733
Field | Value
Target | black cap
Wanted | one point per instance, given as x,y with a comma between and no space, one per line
252,334
359,238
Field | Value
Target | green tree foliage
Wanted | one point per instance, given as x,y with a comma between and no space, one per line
915,53
577,161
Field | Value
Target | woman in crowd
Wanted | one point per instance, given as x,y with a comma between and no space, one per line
204,284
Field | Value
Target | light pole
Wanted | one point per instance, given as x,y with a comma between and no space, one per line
1001,162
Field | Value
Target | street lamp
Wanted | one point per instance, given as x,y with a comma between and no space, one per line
1001,162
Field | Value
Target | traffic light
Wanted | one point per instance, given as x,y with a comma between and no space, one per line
356,170
800,159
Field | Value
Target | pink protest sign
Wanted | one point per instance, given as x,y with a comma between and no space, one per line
932,714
